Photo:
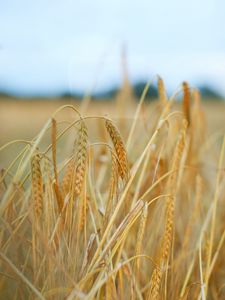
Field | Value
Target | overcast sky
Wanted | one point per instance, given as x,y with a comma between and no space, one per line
48,46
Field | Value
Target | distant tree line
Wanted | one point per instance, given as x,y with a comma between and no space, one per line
206,91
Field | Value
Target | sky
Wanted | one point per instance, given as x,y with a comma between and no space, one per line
52,46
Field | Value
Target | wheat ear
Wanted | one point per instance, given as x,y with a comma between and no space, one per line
167,239
140,236
56,183
113,188
186,101
37,184
177,157
118,144
168,233
155,284
81,158
172,187
68,176
162,92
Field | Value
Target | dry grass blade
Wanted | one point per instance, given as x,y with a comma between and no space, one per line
54,133
88,252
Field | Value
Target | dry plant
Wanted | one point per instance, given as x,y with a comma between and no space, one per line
123,216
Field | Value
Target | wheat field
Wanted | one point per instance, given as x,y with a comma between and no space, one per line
123,200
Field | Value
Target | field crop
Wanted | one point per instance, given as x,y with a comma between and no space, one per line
127,205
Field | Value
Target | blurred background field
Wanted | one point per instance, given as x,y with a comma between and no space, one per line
23,119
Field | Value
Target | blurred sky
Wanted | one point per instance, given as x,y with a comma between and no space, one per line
48,46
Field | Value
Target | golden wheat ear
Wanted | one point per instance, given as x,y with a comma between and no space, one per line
162,91
119,146
113,188
56,182
37,185
68,177
155,284
186,101
81,157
